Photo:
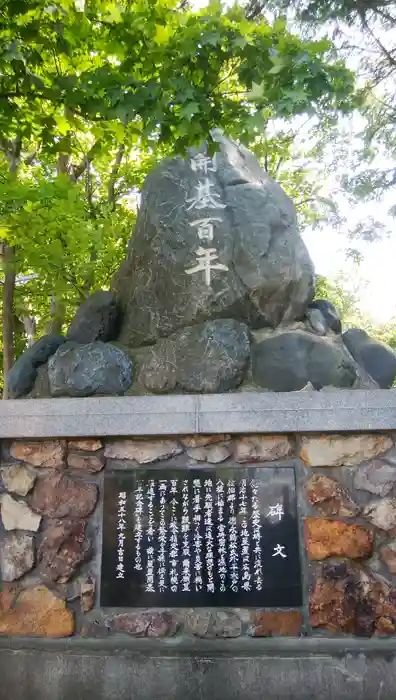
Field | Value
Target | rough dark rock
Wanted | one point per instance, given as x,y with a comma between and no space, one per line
96,319
347,599
329,312
269,275
84,370
288,361
316,321
209,357
23,373
376,358
60,496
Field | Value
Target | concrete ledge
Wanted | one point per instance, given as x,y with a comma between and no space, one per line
176,415
49,675
188,646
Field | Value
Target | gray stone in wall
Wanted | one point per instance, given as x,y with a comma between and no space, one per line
208,357
16,556
378,359
24,372
329,312
85,370
269,275
96,319
288,361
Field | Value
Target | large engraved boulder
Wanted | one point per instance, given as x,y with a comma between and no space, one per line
214,238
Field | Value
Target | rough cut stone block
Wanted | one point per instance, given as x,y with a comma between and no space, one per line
16,515
64,547
226,624
377,477
382,513
327,496
198,622
342,450
46,453
83,589
143,451
16,556
18,478
388,556
335,538
36,613
60,496
262,448
203,440
214,454
145,624
88,463
285,623
85,445
345,598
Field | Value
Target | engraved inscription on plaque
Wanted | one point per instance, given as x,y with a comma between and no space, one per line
200,537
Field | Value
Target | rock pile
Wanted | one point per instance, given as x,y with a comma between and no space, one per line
215,294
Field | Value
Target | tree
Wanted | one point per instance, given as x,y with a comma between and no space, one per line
83,93
364,33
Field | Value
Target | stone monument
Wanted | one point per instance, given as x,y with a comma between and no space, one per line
216,294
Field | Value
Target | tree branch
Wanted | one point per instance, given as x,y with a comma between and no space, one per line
78,170
113,175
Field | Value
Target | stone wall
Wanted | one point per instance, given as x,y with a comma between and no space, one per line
50,536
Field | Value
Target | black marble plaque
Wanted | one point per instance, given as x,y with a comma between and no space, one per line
201,536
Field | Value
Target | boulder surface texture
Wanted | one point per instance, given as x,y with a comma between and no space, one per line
260,270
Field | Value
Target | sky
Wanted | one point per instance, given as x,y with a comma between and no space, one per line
374,279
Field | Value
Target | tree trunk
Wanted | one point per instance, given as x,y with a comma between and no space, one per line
29,326
8,313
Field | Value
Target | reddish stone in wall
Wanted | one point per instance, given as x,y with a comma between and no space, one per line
327,496
282,623
43,453
64,547
335,538
60,496
345,598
